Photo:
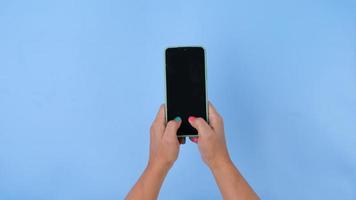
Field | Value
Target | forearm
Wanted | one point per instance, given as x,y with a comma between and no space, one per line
231,183
149,184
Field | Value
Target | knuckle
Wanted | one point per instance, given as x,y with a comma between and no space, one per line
199,120
220,119
152,128
171,124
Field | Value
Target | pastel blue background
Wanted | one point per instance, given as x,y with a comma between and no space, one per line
81,81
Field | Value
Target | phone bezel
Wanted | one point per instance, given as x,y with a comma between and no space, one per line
205,78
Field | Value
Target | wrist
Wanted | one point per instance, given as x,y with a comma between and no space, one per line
220,163
158,166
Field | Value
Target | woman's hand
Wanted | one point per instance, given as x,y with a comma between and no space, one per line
164,149
164,145
211,140
214,152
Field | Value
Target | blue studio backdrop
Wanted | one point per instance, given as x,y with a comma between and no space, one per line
81,82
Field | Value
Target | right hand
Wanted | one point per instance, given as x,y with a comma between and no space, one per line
211,139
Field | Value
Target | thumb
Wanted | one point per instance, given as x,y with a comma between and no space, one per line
172,128
200,124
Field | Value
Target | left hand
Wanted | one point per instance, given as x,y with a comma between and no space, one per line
164,144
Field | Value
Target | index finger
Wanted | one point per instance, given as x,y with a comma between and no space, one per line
215,120
159,121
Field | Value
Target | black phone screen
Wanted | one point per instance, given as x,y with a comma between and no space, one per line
185,86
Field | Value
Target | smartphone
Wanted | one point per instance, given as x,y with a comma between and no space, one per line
186,93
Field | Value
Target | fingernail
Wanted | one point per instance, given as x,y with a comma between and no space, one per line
195,139
191,119
177,119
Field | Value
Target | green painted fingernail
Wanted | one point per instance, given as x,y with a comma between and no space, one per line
178,119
